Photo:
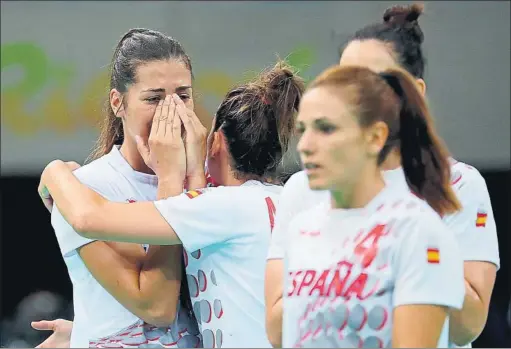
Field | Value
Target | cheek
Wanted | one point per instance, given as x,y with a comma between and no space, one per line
140,119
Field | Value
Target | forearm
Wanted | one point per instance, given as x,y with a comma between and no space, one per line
274,324
146,284
160,283
466,324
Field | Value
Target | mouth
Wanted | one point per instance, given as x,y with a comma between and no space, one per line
311,167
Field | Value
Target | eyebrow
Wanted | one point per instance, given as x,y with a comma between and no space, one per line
159,90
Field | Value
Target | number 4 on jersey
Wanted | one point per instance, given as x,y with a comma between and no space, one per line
271,212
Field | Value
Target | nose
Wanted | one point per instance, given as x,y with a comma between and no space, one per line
306,144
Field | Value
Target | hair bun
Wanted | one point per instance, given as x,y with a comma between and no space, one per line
403,15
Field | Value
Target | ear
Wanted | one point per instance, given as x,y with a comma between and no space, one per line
376,136
217,143
116,99
422,86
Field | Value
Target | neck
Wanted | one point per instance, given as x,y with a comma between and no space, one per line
358,194
130,152
392,161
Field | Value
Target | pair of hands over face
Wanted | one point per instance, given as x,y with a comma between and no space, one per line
165,152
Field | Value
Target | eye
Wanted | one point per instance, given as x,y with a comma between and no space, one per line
326,128
300,129
153,99
184,98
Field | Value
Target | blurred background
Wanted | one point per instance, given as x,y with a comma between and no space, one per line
55,57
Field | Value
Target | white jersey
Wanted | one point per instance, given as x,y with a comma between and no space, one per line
226,231
348,269
99,319
473,227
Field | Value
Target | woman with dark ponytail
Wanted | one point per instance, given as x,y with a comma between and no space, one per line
370,268
225,229
120,292
397,41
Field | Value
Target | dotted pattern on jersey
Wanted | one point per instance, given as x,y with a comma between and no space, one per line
349,302
184,334
205,310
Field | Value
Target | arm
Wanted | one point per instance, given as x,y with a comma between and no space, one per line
479,247
146,284
94,217
273,294
468,323
408,332
426,287
288,206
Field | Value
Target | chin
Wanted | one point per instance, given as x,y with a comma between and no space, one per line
317,184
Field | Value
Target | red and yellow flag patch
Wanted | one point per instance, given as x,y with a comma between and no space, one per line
193,193
433,255
481,219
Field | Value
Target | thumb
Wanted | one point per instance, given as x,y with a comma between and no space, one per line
143,149
43,325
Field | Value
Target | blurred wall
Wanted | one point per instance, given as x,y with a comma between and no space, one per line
55,57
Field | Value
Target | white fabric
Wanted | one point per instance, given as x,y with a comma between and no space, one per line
228,229
348,270
96,313
476,243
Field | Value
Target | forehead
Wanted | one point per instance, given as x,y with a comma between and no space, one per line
322,102
161,74
374,54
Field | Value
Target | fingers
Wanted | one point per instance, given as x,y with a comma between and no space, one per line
156,118
43,325
167,116
184,118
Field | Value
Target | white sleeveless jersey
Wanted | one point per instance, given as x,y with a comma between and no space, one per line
99,319
348,269
226,231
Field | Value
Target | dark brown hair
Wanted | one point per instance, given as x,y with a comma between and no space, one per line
393,97
257,120
136,47
400,28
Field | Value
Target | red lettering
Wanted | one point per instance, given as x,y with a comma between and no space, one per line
320,283
292,276
338,281
307,280
356,287
368,253
271,211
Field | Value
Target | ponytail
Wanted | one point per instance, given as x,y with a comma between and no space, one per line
424,156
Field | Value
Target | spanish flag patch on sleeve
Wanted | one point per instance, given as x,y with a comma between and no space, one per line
193,193
433,255
481,219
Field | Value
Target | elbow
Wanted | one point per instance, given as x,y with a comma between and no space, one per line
81,223
274,338
159,315
273,331
84,221
467,335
